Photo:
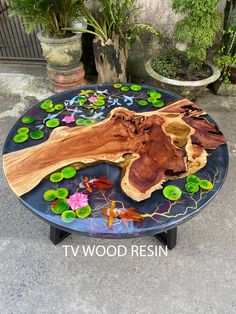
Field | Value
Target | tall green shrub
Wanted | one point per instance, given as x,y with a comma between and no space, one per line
198,28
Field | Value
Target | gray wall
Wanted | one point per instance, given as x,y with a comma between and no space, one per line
157,13
160,15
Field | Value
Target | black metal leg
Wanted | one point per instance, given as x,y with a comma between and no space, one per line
57,235
169,238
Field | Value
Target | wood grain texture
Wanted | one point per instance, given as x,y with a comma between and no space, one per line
151,147
110,60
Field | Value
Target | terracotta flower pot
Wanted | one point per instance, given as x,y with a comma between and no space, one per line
188,89
63,57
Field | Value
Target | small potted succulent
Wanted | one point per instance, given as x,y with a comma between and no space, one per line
183,68
61,48
225,59
113,23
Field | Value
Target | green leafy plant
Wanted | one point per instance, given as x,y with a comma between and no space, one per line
52,15
198,28
115,18
224,62
168,62
174,64
114,25
226,57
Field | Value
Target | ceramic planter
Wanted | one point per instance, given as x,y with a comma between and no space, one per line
63,57
188,89
82,24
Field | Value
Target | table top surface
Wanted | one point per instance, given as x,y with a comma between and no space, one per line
158,213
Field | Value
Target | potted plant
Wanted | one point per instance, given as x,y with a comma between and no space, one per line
115,29
225,59
183,68
61,48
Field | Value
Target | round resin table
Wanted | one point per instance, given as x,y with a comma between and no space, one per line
86,195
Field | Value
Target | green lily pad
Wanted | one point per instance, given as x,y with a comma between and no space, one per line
68,216
50,110
20,138
172,192
125,89
56,177
59,107
99,103
155,94
101,96
23,130
53,123
60,206
193,179
83,212
28,120
151,91
82,100
46,104
68,172
37,134
50,195
48,101
80,122
192,187
62,193
158,104
206,185
135,88
88,122
117,85
152,99
142,103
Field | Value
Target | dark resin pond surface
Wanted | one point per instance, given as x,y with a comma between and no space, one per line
88,105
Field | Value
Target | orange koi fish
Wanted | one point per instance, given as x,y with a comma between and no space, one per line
101,184
114,212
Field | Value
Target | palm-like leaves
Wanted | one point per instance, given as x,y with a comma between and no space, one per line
115,17
53,15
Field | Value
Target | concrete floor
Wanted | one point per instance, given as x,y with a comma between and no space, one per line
198,276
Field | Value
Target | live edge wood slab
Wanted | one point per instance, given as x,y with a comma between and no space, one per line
151,148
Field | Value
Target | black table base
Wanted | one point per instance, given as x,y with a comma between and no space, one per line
168,238
57,235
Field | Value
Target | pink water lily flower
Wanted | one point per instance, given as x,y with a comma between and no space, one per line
78,200
68,119
93,99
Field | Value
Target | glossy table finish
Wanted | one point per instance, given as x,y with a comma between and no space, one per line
161,214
